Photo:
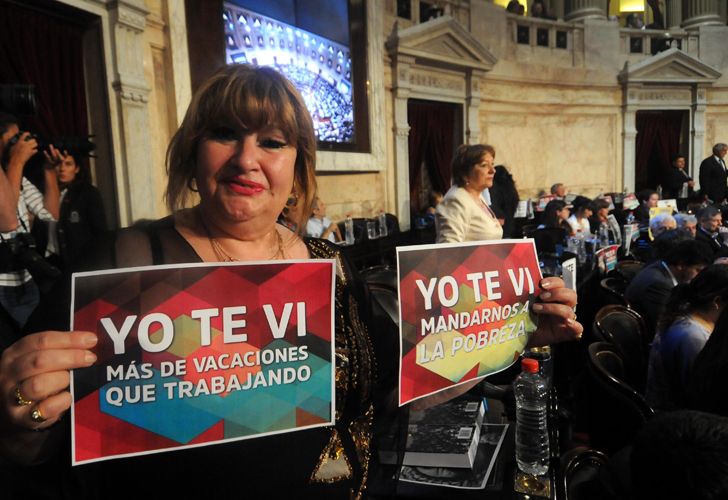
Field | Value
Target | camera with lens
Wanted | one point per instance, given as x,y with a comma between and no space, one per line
19,252
14,140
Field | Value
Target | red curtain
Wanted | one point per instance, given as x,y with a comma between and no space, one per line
432,141
45,50
658,141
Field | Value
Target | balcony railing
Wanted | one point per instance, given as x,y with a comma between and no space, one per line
635,42
536,32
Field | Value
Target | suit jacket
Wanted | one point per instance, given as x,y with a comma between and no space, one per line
673,182
459,218
713,180
648,292
716,243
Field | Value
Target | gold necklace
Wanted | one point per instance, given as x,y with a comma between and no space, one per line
223,256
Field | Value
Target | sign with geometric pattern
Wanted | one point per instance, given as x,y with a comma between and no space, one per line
197,354
463,311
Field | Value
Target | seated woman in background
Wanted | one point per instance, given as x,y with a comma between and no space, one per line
579,219
246,144
555,215
648,198
684,328
82,217
320,226
463,214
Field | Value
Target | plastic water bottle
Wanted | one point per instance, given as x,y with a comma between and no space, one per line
603,235
349,230
382,220
532,438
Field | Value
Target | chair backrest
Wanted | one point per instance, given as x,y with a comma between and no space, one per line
628,269
615,410
624,328
612,290
381,311
392,223
382,275
579,473
528,229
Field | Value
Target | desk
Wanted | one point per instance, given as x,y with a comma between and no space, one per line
499,485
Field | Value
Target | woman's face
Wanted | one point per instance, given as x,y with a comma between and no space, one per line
245,175
652,201
67,170
563,214
481,176
602,214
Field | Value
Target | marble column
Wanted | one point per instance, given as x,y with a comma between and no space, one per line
134,178
578,10
401,92
700,13
673,16
557,8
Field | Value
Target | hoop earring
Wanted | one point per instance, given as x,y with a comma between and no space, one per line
192,187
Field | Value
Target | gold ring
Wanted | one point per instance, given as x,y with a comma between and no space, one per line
37,416
20,400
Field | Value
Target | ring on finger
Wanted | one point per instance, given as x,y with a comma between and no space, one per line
20,400
36,416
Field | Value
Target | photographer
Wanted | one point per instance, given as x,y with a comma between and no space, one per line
19,295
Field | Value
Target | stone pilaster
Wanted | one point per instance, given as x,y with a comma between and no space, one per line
700,13
578,10
401,92
134,178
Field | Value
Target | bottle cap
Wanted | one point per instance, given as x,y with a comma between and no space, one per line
529,365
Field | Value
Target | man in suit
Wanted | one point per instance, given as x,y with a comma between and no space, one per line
710,221
674,180
714,175
648,292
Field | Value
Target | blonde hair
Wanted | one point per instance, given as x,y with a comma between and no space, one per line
243,97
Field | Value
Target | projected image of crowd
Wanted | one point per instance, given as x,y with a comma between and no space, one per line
318,67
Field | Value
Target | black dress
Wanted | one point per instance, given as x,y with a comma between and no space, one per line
327,462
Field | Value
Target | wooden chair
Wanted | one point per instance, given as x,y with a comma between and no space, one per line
625,329
612,290
578,473
628,269
616,410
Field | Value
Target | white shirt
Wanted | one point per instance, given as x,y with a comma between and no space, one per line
30,200
315,227
579,227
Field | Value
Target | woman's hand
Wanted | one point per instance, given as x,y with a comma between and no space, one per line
34,377
556,316
53,157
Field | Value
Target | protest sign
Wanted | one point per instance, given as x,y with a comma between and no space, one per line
630,202
464,311
197,354
671,203
607,258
